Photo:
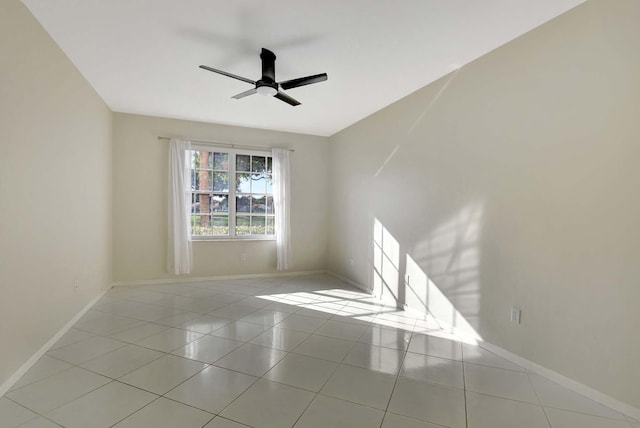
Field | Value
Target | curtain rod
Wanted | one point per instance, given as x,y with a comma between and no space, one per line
221,143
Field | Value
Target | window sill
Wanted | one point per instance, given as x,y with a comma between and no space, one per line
252,238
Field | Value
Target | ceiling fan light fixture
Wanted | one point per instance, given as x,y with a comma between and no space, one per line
267,91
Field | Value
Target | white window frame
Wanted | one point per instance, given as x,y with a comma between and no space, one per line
232,152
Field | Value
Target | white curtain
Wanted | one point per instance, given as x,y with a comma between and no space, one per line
179,258
282,202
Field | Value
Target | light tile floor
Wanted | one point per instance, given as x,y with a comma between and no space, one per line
298,352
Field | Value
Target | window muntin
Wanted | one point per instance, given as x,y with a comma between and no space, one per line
243,209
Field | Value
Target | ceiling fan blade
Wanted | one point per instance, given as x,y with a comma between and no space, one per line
245,93
224,73
301,81
286,98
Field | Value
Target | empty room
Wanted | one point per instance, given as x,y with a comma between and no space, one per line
344,214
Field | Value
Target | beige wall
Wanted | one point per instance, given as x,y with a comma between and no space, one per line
55,188
140,201
514,181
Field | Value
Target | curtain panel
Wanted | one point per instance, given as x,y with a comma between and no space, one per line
282,205
179,251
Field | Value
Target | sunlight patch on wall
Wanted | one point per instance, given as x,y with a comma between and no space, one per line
451,256
424,295
386,265
417,283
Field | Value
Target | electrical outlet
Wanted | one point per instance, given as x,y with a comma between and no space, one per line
76,284
243,257
515,315
351,262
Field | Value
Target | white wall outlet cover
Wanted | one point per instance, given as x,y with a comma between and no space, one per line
515,315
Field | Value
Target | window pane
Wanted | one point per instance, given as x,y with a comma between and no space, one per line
258,164
201,159
242,225
201,225
195,180
259,183
258,204
243,204
206,160
243,183
220,203
269,184
271,225
243,163
221,161
270,205
220,181
269,165
203,204
220,225
195,159
195,204
204,181
257,225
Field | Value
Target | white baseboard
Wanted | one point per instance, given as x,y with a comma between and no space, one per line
40,352
348,281
181,280
568,383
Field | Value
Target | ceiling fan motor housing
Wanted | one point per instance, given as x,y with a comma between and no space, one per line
268,71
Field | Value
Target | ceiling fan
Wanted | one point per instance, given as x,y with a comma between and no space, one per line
267,84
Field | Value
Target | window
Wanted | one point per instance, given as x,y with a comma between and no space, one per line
232,194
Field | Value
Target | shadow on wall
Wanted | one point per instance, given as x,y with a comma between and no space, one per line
450,254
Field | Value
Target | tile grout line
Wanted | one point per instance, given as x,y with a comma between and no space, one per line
544,408
626,419
227,419
38,415
67,402
185,404
464,386
44,378
404,355
135,411
117,349
393,389
539,400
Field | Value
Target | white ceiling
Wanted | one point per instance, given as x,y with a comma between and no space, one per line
142,56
